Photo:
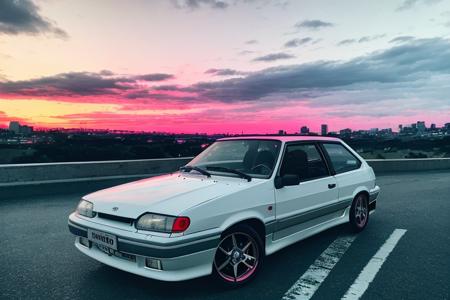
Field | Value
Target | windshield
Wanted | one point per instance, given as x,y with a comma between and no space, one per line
256,158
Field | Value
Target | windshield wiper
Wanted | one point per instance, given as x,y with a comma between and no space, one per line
200,170
228,170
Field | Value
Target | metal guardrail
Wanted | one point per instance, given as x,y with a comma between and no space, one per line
23,174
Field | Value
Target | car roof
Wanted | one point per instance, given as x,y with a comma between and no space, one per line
283,138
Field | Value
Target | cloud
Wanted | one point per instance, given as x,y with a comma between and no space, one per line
274,57
401,39
346,42
66,84
370,38
297,42
406,80
364,39
223,72
79,84
145,94
412,62
106,73
251,42
313,24
167,87
196,4
223,4
154,77
22,17
409,4
246,52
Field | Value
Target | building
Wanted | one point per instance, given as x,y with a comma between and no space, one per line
421,126
304,130
26,129
15,127
447,127
345,133
386,132
400,128
324,129
433,127
281,132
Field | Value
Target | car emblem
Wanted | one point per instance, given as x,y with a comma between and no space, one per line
115,208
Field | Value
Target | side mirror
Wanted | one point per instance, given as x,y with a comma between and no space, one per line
286,180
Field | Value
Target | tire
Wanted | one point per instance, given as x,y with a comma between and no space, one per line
359,212
239,256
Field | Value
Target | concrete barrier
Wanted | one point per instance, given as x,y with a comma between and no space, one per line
409,165
22,174
19,174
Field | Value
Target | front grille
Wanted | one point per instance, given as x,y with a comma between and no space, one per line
128,221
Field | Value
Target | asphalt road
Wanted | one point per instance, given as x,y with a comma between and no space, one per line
38,259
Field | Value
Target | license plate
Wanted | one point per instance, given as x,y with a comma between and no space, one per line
102,238
111,252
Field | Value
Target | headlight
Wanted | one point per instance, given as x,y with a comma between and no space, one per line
161,223
86,208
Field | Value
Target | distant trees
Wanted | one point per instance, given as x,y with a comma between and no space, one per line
416,155
103,147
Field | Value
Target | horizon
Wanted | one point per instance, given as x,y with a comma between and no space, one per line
274,132
178,66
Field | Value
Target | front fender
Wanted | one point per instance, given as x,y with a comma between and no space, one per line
240,217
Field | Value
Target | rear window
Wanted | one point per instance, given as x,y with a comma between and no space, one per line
342,159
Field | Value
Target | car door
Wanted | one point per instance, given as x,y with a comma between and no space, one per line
302,205
347,169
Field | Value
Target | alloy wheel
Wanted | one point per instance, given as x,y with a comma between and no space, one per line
237,257
361,211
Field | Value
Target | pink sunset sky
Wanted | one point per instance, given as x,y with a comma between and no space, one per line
218,66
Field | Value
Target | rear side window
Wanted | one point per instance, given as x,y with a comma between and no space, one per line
342,159
305,161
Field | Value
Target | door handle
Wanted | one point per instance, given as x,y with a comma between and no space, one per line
331,185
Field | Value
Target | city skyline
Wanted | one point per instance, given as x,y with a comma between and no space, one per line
231,66
418,126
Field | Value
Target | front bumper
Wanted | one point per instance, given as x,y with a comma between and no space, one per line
182,258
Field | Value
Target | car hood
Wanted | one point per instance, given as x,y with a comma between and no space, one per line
168,194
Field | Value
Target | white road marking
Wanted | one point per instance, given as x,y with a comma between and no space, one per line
307,285
369,272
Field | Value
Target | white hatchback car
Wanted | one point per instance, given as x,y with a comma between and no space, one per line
239,200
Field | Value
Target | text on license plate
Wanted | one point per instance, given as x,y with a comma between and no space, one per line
103,238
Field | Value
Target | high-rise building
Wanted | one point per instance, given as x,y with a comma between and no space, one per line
400,128
281,132
14,126
421,126
433,126
324,129
304,130
447,127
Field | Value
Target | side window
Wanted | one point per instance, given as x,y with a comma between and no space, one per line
305,161
342,159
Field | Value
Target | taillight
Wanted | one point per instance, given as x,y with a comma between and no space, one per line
180,224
